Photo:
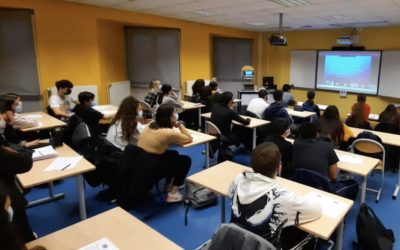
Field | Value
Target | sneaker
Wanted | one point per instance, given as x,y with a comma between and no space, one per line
176,197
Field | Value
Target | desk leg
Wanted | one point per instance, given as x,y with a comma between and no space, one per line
363,189
207,155
339,236
396,191
199,129
222,209
254,138
81,194
51,197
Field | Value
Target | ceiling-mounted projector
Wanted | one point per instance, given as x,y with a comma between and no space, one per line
278,39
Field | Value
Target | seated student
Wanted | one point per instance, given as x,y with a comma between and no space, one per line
157,138
276,109
331,128
309,105
389,116
167,96
287,97
13,163
258,105
214,86
321,159
281,130
151,97
357,117
125,127
13,106
197,89
261,205
88,114
222,116
361,104
60,103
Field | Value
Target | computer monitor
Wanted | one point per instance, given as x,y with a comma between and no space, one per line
248,74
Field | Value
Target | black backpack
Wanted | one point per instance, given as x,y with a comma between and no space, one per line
371,233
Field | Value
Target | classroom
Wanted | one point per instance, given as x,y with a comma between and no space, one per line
115,113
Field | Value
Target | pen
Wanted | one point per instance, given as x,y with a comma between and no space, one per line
65,167
40,153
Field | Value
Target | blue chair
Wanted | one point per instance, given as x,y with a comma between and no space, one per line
313,179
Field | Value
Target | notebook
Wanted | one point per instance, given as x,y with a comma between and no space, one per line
44,153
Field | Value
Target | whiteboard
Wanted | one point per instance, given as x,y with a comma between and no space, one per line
389,84
78,89
117,91
303,64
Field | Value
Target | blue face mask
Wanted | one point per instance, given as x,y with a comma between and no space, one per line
18,108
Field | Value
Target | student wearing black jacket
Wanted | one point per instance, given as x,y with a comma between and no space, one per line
13,163
222,116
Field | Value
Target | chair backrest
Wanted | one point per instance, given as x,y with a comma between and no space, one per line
368,147
312,179
145,106
212,129
231,236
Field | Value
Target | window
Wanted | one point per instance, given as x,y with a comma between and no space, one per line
153,54
229,56
18,67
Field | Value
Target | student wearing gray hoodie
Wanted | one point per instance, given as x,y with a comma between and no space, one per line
261,205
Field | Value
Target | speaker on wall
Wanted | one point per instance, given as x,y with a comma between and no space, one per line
268,82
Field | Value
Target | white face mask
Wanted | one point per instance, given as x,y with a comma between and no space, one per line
18,108
93,103
176,116
140,114
10,212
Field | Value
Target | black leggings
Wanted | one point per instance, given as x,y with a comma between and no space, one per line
172,164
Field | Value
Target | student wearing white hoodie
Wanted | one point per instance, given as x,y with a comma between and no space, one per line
261,205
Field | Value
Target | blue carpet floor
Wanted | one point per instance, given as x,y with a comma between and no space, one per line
56,215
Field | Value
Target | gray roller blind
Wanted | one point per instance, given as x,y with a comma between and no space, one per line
153,54
18,67
229,56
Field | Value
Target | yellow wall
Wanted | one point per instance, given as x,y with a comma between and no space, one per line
86,44
277,60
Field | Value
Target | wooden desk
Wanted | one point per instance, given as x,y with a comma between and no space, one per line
368,164
300,114
191,105
200,138
45,121
131,233
219,178
388,139
109,110
37,176
254,124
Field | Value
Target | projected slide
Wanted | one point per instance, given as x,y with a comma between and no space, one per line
351,71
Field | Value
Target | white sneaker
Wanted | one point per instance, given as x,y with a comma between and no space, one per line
174,197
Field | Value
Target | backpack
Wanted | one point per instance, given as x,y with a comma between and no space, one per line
198,197
371,233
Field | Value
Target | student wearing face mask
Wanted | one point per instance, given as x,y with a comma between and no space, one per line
13,163
88,114
13,107
125,127
60,102
157,138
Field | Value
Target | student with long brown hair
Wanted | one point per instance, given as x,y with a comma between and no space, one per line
125,127
358,117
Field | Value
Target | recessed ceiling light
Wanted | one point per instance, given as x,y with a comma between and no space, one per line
380,23
256,24
207,13
332,18
292,3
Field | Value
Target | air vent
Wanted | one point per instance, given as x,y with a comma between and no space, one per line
361,24
206,13
291,3
332,18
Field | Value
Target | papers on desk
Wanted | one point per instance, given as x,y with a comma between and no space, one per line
63,163
330,207
194,137
102,244
44,153
32,116
352,159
